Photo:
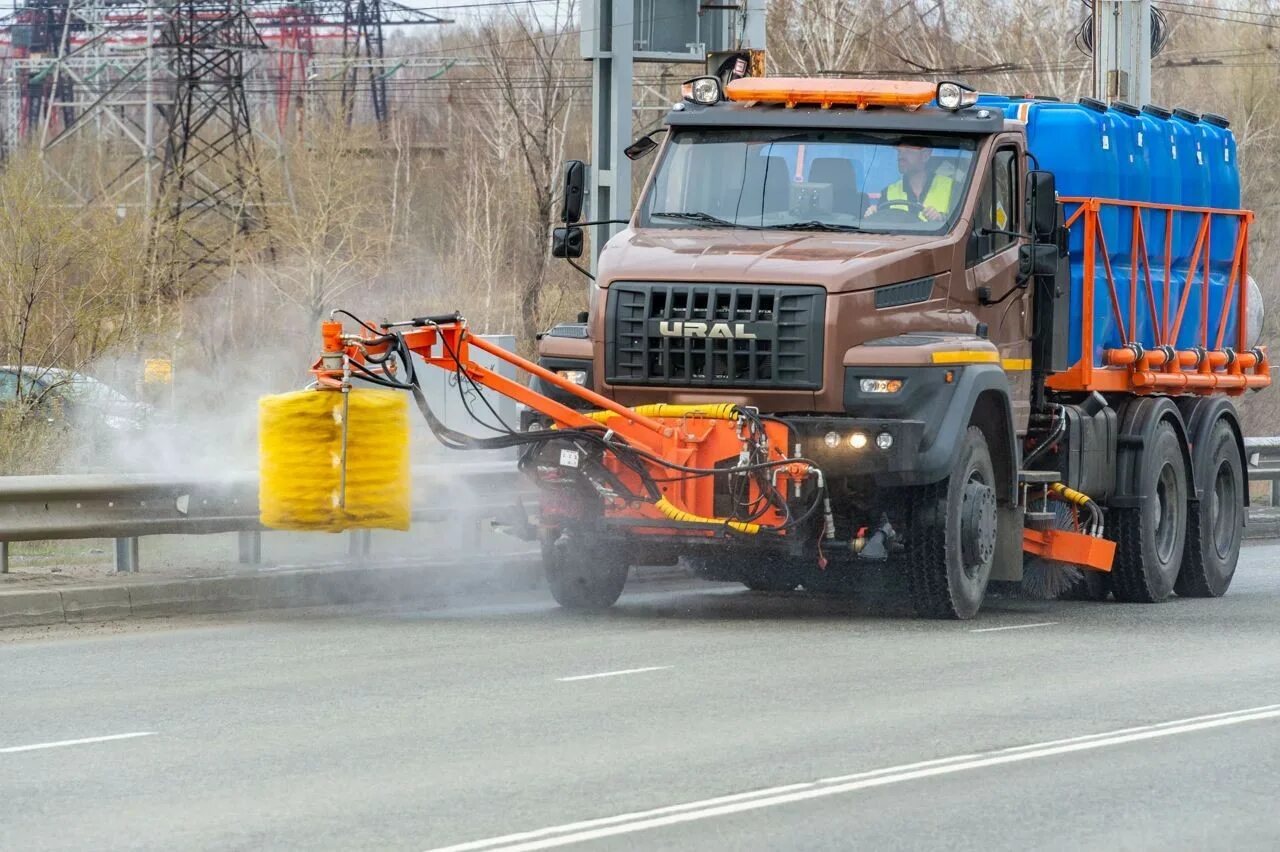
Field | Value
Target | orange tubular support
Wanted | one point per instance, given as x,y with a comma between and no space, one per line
1144,365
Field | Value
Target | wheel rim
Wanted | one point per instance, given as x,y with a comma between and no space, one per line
977,524
1167,498
1223,507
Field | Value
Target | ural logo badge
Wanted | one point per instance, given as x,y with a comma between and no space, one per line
682,328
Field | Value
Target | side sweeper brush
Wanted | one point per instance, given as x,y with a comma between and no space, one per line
333,461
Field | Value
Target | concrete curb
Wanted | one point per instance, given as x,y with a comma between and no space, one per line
143,597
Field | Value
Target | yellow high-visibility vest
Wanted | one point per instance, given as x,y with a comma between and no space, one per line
938,197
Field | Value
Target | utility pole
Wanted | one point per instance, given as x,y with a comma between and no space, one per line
616,36
1122,50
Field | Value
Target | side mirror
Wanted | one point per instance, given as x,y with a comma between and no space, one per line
566,242
642,146
575,180
1042,204
1037,260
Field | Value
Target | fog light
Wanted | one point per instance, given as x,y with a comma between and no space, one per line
831,439
884,440
857,440
578,377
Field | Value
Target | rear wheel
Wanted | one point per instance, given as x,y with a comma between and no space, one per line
582,573
951,535
1150,539
1215,526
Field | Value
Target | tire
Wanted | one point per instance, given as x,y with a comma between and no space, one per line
583,574
1215,525
1150,540
951,535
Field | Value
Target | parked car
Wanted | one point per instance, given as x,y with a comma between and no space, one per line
64,396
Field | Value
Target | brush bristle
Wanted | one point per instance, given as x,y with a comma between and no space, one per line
1044,579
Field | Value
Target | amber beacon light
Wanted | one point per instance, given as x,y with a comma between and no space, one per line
826,93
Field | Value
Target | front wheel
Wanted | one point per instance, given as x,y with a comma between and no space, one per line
951,535
582,573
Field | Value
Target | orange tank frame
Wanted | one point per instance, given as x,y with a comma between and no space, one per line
1218,365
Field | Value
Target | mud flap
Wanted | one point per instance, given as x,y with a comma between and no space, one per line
1007,564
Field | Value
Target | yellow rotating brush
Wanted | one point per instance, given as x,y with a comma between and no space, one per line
334,461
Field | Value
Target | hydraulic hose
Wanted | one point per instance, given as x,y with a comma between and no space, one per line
667,508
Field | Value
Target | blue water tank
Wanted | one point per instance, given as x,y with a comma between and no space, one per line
1219,145
1075,142
1188,131
1195,193
1166,180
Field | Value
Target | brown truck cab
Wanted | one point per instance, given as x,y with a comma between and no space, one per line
886,277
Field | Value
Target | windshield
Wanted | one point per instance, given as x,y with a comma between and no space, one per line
821,180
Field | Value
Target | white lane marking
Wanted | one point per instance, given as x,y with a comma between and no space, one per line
85,741
578,832
1014,627
613,674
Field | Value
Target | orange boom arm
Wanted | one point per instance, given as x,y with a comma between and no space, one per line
665,457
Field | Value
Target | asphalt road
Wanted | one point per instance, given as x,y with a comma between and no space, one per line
737,721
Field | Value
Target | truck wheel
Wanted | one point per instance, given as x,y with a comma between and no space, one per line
1215,527
951,535
1149,541
583,574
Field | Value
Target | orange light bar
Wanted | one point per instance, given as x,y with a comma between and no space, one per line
828,92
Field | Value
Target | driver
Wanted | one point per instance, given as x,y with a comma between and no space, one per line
930,194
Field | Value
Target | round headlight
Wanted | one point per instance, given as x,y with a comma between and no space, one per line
705,90
857,440
949,96
831,439
884,440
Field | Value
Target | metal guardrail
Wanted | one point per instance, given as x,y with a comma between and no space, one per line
124,508
1263,456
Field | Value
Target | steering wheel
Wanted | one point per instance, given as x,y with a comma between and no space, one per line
899,207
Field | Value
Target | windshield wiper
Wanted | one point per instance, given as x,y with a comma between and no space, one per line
816,225
702,217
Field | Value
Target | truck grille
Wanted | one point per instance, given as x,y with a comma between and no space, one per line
714,335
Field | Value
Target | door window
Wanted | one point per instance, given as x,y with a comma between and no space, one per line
997,206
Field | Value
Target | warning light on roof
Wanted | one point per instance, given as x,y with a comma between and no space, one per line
828,92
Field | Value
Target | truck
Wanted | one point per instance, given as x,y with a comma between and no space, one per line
1005,335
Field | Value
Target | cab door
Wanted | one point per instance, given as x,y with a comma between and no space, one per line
992,269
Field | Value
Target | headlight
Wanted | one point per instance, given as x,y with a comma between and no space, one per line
880,385
953,96
578,377
831,439
884,440
702,90
857,440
